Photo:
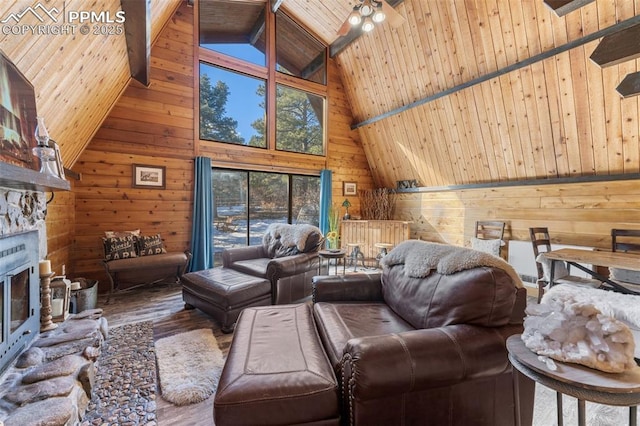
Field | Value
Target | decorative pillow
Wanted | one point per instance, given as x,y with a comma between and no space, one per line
119,247
560,268
112,234
487,246
150,245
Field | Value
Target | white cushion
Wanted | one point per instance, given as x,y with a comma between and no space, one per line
487,246
560,268
626,275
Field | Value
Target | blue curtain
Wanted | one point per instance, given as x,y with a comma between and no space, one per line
202,227
325,199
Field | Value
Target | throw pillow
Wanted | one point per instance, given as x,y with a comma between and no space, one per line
119,247
559,271
150,245
487,246
112,234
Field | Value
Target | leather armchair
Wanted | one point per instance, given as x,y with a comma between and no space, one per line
424,359
290,275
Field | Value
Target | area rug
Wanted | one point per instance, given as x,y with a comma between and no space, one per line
125,388
189,366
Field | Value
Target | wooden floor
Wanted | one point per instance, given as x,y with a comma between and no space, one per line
162,304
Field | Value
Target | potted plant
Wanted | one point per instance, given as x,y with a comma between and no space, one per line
346,204
333,235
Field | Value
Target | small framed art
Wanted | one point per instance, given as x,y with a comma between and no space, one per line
153,177
349,188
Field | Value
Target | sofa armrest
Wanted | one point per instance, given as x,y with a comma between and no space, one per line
378,366
347,288
235,254
288,266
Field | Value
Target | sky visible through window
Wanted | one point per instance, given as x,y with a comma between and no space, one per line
237,107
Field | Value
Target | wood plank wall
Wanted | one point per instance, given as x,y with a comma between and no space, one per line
580,214
155,126
151,126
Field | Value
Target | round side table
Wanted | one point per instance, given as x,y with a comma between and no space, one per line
332,254
583,383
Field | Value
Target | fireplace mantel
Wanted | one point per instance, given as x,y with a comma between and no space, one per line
16,177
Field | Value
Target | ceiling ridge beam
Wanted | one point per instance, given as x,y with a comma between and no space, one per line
516,66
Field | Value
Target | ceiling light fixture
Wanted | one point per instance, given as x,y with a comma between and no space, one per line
367,12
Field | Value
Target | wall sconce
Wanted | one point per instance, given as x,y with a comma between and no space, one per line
60,296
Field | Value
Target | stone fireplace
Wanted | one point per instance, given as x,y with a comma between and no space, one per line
22,244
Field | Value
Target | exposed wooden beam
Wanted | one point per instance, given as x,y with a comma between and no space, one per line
630,86
562,7
342,42
137,29
518,65
257,30
275,4
617,48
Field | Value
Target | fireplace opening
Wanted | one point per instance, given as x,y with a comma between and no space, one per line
19,295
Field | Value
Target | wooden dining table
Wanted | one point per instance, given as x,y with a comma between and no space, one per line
610,259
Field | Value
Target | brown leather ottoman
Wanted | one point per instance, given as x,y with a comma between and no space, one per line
223,293
277,372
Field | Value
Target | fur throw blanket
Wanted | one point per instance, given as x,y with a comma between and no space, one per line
292,238
421,257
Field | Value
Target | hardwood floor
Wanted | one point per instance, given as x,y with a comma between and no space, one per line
162,304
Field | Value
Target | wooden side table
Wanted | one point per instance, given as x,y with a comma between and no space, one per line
583,383
332,254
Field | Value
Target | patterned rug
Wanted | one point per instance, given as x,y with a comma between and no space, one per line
125,389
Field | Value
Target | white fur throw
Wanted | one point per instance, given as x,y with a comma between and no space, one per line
289,235
584,326
421,257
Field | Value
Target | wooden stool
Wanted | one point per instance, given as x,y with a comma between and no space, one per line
383,251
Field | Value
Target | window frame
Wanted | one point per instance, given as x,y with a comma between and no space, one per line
272,78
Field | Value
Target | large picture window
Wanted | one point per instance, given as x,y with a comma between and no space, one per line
247,202
267,86
232,107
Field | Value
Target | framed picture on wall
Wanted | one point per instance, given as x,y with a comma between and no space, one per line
145,176
349,188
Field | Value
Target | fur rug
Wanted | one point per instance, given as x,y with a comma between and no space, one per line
189,366
421,257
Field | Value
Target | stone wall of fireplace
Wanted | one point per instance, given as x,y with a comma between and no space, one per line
22,211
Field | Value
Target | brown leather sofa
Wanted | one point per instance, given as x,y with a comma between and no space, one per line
287,257
427,350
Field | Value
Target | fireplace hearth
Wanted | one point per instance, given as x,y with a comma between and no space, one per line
19,294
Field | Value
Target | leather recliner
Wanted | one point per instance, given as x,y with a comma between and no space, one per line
424,351
287,257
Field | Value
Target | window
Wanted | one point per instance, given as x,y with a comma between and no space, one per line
247,202
297,52
235,29
232,107
299,121
238,102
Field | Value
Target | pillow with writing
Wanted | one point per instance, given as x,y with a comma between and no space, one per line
150,245
119,247
112,234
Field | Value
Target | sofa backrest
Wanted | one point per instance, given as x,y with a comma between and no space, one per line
483,296
282,239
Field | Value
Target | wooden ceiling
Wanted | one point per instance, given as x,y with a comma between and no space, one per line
556,117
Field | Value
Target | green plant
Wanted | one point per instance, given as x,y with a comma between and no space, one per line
333,236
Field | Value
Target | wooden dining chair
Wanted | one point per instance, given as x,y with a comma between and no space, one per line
540,239
489,230
542,243
627,240
488,237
